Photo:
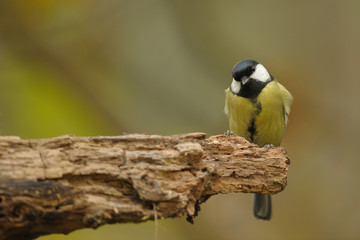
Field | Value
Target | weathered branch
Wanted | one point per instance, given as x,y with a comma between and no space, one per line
61,184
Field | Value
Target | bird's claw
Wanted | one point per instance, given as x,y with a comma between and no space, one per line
268,145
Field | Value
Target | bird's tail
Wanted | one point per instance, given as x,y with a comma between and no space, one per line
262,206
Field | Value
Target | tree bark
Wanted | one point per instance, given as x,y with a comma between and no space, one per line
65,183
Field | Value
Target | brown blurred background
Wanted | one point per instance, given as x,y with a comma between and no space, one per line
107,67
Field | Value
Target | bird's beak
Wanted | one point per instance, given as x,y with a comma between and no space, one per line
244,80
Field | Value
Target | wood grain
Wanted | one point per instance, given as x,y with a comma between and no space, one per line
61,184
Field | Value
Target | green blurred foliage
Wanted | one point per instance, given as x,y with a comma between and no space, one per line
107,67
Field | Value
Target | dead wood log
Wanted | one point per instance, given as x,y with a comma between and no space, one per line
65,183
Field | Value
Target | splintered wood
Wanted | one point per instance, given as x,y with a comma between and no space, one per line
65,183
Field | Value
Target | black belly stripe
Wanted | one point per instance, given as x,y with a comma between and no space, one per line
252,128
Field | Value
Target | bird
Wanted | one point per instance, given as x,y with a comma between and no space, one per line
257,107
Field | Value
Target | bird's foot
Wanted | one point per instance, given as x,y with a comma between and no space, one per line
268,145
228,132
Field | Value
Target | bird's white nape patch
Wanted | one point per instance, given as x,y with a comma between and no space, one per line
260,73
235,86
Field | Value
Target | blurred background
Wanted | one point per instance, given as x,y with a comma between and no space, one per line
155,66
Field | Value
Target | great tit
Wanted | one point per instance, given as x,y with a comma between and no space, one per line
257,107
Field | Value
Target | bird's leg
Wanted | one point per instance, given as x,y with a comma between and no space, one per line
228,132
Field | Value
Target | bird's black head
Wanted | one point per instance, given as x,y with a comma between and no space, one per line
249,78
244,69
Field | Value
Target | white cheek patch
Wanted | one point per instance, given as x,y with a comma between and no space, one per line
260,74
235,86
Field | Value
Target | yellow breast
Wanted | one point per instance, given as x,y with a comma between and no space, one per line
269,113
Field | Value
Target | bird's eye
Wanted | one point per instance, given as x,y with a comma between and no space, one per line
251,70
